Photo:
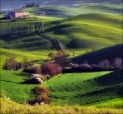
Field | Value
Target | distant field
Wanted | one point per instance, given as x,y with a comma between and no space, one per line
94,31
64,12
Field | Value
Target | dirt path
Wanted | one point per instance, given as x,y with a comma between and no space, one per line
56,44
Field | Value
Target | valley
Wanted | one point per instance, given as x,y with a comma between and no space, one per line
86,35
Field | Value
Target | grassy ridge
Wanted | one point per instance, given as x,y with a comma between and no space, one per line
85,88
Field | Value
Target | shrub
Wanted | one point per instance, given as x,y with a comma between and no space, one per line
41,95
40,89
32,69
105,64
43,98
59,55
10,64
64,62
118,63
51,69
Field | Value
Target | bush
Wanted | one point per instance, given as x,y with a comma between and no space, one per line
51,69
118,63
41,95
32,69
43,98
10,64
40,89
105,64
64,62
59,55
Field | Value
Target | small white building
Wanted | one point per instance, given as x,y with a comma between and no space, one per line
20,14
17,14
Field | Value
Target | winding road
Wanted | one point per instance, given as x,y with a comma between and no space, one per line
56,44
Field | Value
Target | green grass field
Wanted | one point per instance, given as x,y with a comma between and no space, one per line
11,86
93,88
112,103
85,88
81,29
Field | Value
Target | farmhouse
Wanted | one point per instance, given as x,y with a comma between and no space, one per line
17,14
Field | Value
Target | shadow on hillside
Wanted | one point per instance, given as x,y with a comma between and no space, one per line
23,74
112,78
95,57
9,81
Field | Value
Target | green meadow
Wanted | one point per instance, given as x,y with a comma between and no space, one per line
80,29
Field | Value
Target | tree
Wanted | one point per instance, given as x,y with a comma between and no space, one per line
105,64
118,63
51,69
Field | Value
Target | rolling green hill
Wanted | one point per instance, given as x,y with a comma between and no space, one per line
54,11
94,30
85,88
64,12
102,7
71,89
88,88
95,57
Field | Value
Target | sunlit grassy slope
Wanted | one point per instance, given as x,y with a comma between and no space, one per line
71,89
112,103
11,85
94,30
63,12
21,56
85,88
88,30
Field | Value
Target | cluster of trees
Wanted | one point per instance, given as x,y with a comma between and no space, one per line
31,5
26,66
51,69
47,68
102,65
60,57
